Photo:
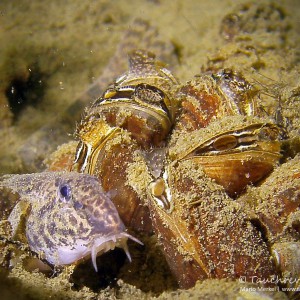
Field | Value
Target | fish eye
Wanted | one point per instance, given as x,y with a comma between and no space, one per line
65,193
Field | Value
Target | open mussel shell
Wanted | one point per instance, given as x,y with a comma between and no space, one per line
149,123
142,101
235,152
240,95
136,112
94,134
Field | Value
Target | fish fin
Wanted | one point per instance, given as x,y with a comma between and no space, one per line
125,248
94,258
17,220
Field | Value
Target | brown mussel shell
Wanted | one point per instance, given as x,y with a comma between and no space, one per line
274,208
239,93
235,151
108,159
203,232
287,259
136,112
142,101
207,98
118,153
219,129
275,204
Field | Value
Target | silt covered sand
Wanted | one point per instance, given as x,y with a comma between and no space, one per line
52,52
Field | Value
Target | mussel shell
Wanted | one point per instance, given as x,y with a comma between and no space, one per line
235,151
144,68
287,259
231,134
142,101
149,123
239,93
207,98
276,203
203,232
112,168
201,104
63,158
235,171
93,134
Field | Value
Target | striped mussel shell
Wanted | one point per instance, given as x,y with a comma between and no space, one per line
134,114
141,101
235,151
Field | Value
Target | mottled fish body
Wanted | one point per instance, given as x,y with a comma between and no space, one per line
68,216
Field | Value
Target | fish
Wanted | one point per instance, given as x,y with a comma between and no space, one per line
68,216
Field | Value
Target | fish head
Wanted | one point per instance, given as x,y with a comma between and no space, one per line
75,219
